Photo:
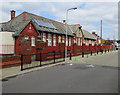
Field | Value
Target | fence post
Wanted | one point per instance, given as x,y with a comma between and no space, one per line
105,50
21,62
70,56
97,51
82,54
91,53
64,55
54,56
40,59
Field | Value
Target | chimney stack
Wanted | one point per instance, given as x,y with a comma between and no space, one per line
96,35
93,33
12,14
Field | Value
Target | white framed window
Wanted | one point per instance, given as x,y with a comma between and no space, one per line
32,41
69,41
99,41
86,42
26,37
75,39
54,40
49,40
63,39
93,43
44,37
78,41
59,39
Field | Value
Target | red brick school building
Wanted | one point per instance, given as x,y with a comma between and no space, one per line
28,33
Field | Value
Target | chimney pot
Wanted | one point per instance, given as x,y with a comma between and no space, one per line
64,21
12,14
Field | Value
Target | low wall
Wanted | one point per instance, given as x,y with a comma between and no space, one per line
9,61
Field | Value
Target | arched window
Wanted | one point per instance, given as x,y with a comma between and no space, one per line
69,41
59,39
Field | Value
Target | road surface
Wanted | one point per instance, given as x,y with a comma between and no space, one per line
76,78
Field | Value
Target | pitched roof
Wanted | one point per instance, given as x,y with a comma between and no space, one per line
19,22
88,35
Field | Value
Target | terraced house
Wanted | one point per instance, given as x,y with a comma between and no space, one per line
28,33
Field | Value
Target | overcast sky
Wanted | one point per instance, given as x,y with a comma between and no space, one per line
88,14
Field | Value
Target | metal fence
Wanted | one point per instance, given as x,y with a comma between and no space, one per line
36,60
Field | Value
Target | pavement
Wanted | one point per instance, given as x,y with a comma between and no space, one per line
14,71
81,75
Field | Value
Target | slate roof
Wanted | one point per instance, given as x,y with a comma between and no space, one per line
18,24
88,35
76,30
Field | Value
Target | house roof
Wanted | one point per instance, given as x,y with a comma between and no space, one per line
88,35
76,30
19,22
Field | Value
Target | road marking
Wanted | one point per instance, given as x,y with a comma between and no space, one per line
90,66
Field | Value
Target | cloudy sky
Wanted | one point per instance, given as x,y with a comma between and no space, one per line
88,14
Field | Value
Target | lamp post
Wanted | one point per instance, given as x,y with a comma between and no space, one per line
67,30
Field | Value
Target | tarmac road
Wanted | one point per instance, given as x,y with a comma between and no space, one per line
76,78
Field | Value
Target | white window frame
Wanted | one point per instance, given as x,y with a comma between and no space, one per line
63,39
54,40
93,43
79,42
86,42
32,41
49,39
59,39
44,37
69,41
99,41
